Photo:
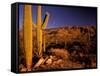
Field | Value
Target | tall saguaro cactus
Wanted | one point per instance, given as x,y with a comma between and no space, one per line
28,35
28,32
40,26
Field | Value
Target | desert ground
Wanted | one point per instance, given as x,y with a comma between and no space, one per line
69,47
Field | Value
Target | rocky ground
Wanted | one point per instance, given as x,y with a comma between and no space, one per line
57,59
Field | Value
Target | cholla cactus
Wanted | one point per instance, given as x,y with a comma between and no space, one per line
28,35
40,26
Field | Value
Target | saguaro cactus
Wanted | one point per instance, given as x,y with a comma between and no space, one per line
28,35
40,26
28,32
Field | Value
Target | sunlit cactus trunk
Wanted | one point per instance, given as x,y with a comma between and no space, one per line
28,35
40,26
39,31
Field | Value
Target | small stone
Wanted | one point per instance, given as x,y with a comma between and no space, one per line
49,61
42,66
59,61
23,70
54,63
29,69
61,65
51,57
54,58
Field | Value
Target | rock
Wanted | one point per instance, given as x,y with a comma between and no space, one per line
49,61
41,61
59,61
42,66
54,58
60,53
61,65
54,63
29,69
23,70
51,56
21,66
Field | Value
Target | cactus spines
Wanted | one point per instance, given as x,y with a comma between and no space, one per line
39,27
28,35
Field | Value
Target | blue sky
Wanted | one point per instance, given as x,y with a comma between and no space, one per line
63,16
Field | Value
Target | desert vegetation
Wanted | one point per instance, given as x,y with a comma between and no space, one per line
69,47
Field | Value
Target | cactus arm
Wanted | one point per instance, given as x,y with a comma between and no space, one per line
45,20
39,16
